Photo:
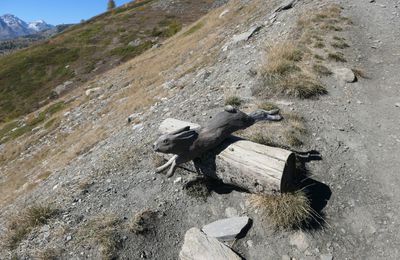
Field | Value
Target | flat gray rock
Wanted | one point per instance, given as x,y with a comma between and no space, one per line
198,246
326,257
300,240
246,35
345,74
226,229
286,5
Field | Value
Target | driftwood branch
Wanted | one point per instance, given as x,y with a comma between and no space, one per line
254,167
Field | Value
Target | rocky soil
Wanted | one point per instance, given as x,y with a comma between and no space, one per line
101,193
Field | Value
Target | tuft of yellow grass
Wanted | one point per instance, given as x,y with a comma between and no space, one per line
140,223
283,210
103,230
21,225
321,70
282,59
267,105
233,101
284,73
288,133
302,85
337,56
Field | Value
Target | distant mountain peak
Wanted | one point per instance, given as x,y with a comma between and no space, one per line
12,27
39,25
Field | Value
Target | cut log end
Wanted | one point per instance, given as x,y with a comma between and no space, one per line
289,180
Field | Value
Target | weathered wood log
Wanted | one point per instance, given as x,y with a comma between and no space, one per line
254,167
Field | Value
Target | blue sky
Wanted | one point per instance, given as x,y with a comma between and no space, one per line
55,11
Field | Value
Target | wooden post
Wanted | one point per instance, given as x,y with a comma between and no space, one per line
254,167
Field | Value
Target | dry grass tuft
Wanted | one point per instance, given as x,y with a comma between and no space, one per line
331,27
318,57
103,230
284,210
21,225
340,45
233,101
282,59
49,254
300,85
288,133
157,160
284,76
198,188
262,138
267,105
142,221
319,45
293,138
360,73
337,56
321,70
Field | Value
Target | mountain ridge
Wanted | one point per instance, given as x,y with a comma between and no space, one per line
12,27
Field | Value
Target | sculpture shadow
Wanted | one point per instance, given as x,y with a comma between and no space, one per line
317,192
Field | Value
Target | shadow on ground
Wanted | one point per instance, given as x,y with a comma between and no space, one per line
317,192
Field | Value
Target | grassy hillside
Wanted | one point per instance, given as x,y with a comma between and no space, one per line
28,76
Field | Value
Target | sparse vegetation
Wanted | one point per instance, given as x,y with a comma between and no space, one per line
20,226
49,254
340,45
319,45
318,57
198,188
337,56
266,105
194,28
15,129
297,78
103,231
157,160
321,70
284,210
331,27
288,133
127,52
233,101
142,222
283,74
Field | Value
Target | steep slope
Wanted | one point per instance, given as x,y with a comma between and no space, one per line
97,171
88,49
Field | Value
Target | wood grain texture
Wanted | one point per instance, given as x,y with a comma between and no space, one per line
254,167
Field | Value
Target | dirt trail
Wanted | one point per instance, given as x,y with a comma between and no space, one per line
361,119
377,120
